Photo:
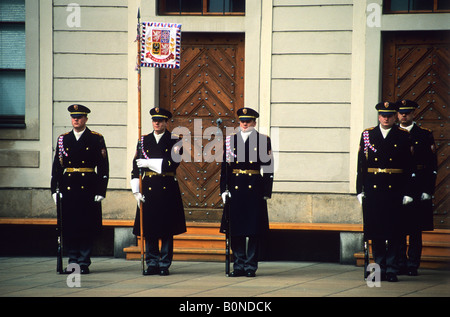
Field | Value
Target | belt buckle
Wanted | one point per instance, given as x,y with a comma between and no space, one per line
76,169
382,170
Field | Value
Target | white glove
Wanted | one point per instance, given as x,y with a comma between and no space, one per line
98,198
54,197
135,190
407,200
224,195
153,164
139,197
425,196
360,197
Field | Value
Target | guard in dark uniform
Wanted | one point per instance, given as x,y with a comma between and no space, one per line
81,171
163,212
383,180
418,216
247,153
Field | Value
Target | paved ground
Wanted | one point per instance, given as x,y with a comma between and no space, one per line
111,277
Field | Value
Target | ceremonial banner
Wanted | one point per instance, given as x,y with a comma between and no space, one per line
160,45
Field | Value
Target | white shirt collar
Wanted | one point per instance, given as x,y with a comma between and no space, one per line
158,136
245,134
385,132
409,127
78,134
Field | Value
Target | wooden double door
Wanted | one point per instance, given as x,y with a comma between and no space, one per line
209,85
416,67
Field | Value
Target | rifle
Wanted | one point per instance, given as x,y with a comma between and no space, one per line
366,257
365,246
227,236
59,252
226,211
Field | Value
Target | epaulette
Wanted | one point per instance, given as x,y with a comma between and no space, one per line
141,139
426,129
369,129
230,135
93,132
64,134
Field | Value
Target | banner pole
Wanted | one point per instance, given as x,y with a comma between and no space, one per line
141,222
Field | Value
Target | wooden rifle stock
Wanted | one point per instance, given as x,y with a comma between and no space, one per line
59,229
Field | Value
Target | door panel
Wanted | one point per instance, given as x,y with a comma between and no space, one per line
209,85
416,67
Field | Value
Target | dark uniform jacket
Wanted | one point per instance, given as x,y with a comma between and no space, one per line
242,177
81,215
419,214
384,174
163,212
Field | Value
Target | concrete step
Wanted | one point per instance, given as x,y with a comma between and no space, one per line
435,250
200,242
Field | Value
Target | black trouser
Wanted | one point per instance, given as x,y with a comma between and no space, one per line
79,250
385,254
159,258
410,259
245,254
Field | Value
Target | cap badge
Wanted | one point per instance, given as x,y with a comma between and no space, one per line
244,111
386,104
